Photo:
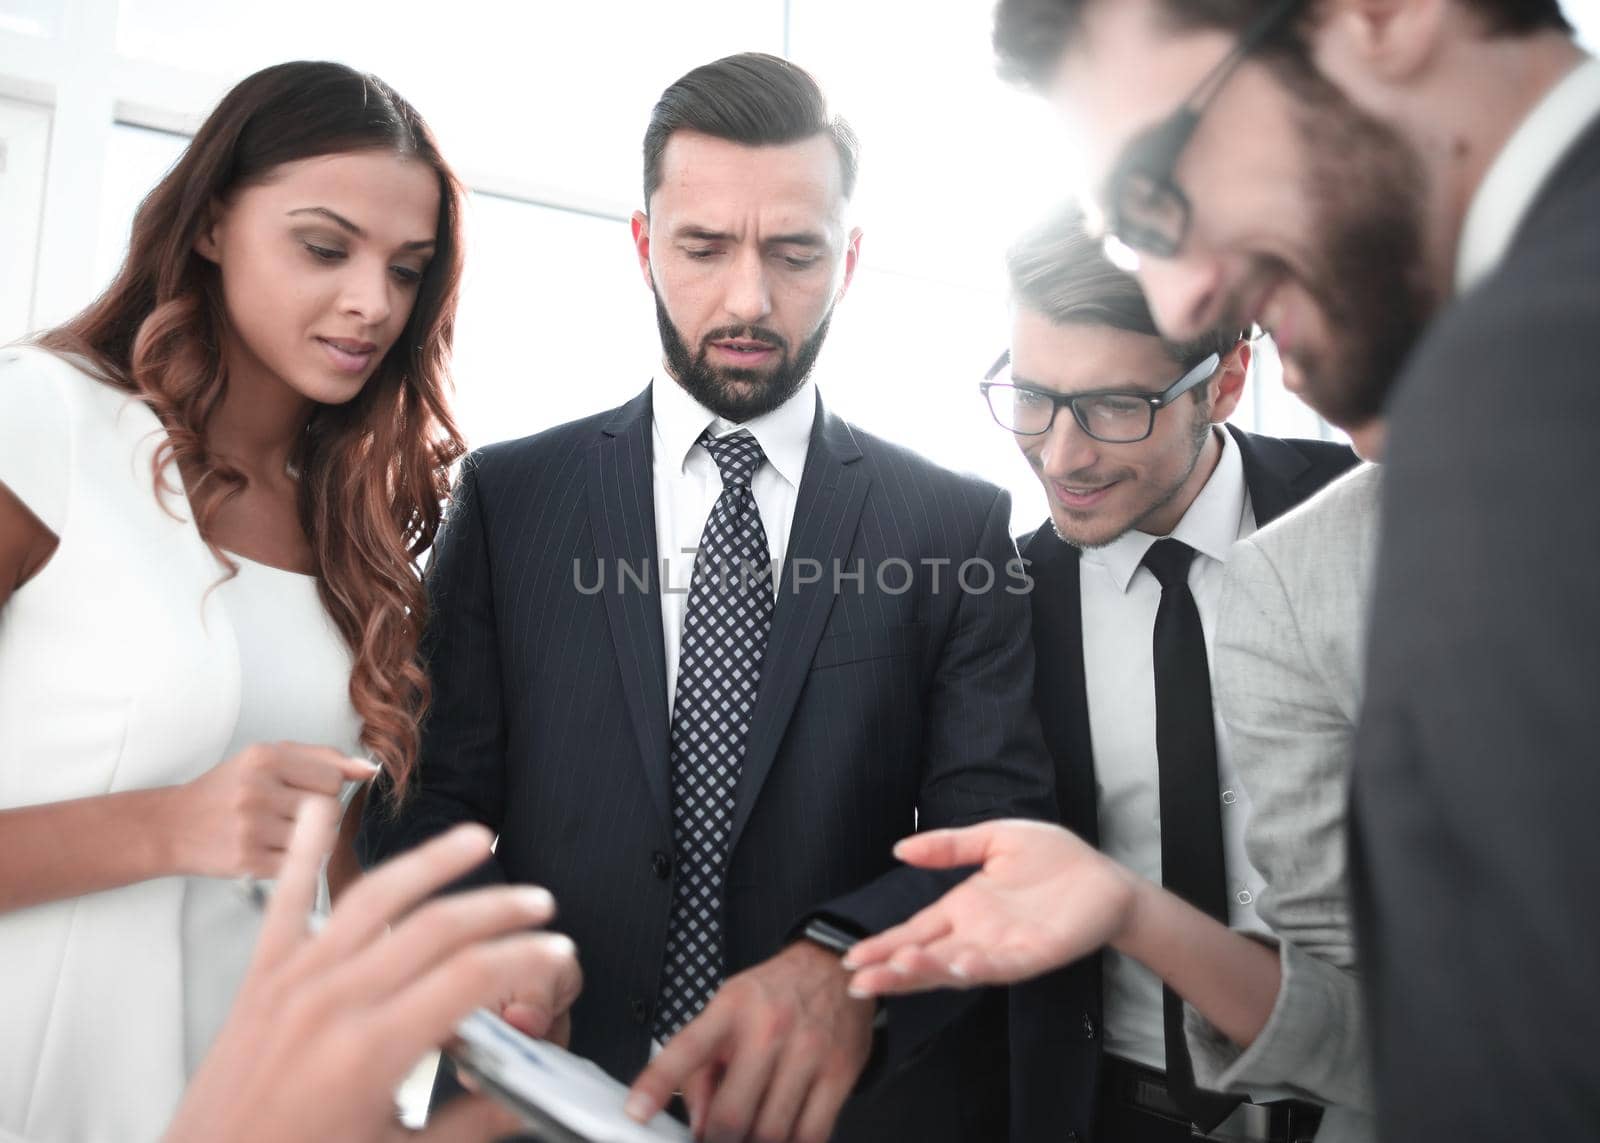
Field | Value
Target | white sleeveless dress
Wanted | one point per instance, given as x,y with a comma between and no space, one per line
127,663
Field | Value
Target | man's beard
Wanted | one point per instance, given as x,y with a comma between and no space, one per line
735,394
1366,187
1196,435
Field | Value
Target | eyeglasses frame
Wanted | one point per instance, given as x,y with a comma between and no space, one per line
1200,373
1154,154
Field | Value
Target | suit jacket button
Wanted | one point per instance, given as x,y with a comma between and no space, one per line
1072,1137
1088,1027
641,1010
659,865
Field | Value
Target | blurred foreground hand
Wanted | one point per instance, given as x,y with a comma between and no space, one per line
327,1025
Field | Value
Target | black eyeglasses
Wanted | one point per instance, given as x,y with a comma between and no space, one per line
1115,416
1146,211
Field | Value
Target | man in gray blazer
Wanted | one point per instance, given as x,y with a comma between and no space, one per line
1288,678
1286,672
1125,431
1083,342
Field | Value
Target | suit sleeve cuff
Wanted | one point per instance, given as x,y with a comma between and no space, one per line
1313,1042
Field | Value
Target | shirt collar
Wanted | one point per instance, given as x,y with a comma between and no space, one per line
1210,526
1520,170
784,434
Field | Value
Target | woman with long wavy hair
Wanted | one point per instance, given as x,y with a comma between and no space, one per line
216,483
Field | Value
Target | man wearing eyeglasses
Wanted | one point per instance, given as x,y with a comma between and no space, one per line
1407,194
1148,491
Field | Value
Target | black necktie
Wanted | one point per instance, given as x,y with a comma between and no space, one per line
725,629
1191,824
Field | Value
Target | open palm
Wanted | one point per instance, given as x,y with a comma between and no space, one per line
1042,898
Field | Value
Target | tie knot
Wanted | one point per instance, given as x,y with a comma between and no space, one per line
737,457
1168,560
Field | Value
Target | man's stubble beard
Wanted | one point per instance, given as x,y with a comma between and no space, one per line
713,387
1199,431
1374,289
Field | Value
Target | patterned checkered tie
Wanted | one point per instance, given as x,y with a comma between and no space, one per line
719,667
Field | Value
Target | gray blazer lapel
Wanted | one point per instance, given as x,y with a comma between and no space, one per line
623,516
833,490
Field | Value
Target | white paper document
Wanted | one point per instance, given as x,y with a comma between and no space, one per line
564,1097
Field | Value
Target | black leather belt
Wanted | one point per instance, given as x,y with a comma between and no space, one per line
1145,1090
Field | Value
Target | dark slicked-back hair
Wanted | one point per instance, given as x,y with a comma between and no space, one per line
751,98
1058,270
1030,36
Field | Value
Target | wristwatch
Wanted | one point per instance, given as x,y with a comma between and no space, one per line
838,941
829,935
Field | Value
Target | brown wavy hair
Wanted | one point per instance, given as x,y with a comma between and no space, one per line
374,472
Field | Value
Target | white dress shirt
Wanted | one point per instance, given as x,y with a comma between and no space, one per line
1529,157
688,482
1119,598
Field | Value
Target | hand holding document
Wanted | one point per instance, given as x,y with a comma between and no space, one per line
327,1024
774,1055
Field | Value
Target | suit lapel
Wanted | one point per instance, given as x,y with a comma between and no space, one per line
623,517
1274,472
833,489
1271,470
1060,695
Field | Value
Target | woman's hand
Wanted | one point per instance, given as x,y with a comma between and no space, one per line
1043,898
235,819
325,1027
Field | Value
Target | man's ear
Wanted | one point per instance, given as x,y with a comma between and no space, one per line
852,256
1229,381
640,224
205,243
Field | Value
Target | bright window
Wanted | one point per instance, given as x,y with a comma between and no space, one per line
541,108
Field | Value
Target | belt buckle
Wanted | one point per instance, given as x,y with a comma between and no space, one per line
1247,1123
1281,1121
1145,1090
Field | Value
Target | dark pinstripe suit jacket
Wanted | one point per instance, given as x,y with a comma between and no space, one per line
883,705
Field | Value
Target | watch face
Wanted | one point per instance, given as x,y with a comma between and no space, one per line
829,936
